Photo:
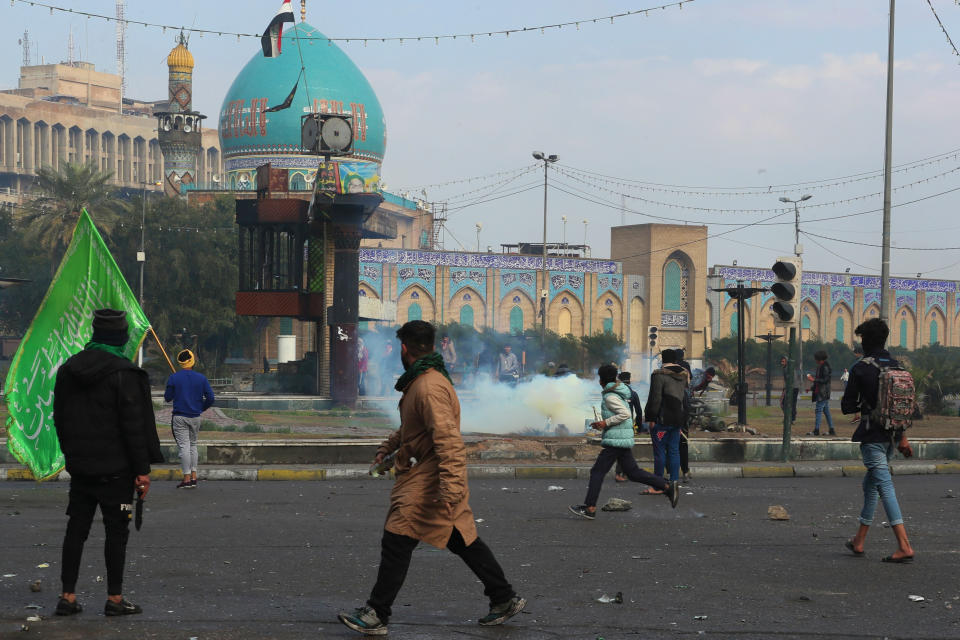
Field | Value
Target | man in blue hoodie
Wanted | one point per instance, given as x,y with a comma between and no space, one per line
617,445
191,395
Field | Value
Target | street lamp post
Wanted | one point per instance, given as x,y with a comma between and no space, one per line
564,220
547,160
141,255
797,251
585,223
479,227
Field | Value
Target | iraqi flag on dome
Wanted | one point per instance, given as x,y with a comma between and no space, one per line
273,35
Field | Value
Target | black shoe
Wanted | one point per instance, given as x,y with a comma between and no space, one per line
122,608
186,484
813,433
582,511
500,613
673,494
833,433
67,608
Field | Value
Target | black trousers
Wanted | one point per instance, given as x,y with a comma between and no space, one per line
114,496
395,553
605,460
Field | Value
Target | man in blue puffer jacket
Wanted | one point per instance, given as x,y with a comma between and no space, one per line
617,445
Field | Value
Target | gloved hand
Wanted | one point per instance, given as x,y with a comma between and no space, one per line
599,426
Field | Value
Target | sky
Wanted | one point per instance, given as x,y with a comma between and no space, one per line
733,103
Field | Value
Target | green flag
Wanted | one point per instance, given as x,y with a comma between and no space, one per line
87,279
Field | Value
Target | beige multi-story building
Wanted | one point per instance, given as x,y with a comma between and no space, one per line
69,112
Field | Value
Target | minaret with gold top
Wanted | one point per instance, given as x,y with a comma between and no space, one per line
179,127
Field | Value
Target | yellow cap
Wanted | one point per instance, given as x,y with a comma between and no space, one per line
185,359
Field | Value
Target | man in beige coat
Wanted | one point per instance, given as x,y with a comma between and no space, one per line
430,499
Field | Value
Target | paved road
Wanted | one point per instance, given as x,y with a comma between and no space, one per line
278,560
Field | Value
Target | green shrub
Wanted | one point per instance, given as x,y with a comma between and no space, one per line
209,425
251,428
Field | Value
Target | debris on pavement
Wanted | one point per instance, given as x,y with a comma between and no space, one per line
554,487
916,598
35,586
777,512
43,565
617,599
617,504
699,617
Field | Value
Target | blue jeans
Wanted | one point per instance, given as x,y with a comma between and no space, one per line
657,434
823,409
878,483
666,450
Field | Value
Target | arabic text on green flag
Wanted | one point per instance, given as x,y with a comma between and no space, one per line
87,279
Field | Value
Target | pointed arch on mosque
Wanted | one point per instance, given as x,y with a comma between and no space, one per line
516,304
467,296
416,296
678,273
904,328
936,326
638,330
565,314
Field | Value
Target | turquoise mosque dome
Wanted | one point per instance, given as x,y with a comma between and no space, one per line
332,83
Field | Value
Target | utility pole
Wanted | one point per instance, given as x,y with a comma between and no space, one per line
798,251
741,294
547,160
141,255
769,338
887,161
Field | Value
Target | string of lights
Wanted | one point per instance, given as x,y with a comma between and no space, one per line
769,189
494,186
944,29
471,36
489,176
830,203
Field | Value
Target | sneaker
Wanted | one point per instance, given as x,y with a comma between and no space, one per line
500,613
673,494
813,433
67,608
833,433
364,620
122,608
185,484
582,511
193,483
686,478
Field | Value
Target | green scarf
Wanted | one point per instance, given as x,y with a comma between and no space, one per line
109,348
430,361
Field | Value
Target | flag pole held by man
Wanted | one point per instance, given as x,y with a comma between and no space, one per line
87,279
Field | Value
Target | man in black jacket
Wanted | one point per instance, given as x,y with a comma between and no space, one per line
876,443
820,392
107,432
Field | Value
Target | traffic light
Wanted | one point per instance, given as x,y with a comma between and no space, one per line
786,309
652,334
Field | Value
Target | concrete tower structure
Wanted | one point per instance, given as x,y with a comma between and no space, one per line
179,127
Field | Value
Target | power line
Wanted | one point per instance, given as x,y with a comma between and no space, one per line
944,29
472,36
870,244
770,189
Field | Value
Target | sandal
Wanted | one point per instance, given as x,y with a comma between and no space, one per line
849,545
651,492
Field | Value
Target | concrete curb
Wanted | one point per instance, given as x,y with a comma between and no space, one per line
306,473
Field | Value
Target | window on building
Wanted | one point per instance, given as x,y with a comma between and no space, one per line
466,315
734,323
934,332
608,322
673,298
297,183
840,330
414,312
516,321
805,323
903,332
286,326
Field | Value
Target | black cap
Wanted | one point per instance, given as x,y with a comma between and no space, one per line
110,327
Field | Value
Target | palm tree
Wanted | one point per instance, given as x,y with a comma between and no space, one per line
60,197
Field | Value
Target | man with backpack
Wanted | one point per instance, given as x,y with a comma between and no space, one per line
882,394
